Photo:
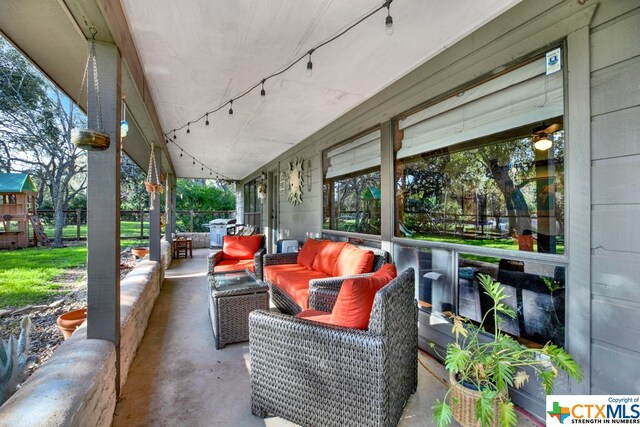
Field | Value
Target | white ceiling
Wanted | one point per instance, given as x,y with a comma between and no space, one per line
198,54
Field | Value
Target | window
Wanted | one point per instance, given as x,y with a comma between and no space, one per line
467,170
352,186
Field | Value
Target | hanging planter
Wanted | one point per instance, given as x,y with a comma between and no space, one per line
152,181
89,139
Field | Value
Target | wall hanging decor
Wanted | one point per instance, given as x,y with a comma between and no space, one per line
262,192
296,179
88,139
152,181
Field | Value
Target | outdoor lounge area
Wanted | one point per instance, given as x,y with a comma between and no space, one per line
431,209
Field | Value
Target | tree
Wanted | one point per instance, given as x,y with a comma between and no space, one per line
133,195
36,119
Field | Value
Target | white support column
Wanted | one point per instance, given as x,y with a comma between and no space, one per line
387,184
170,210
154,218
173,204
103,206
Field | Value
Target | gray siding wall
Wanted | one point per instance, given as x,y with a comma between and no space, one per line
615,176
610,352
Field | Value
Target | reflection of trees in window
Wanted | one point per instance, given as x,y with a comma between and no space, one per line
353,203
495,194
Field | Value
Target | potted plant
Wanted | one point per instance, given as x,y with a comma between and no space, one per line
481,369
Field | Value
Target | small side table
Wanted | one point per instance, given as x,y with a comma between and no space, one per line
232,296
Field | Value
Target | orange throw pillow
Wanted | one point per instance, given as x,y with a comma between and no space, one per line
353,260
308,253
355,299
240,247
327,256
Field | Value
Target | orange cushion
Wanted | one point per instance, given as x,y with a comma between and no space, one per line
355,299
234,264
240,247
353,260
308,253
327,256
315,315
271,272
295,283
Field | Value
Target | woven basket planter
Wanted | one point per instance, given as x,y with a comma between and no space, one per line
463,403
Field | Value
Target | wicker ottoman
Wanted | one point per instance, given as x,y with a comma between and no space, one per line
232,296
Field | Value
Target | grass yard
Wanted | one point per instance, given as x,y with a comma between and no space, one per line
27,276
127,229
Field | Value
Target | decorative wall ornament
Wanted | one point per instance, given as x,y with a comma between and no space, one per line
283,182
295,181
309,175
262,192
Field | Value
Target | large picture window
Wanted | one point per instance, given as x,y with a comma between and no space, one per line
483,170
352,186
470,169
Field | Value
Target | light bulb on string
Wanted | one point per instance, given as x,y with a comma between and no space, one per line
181,152
207,119
262,91
124,126
310,64
389,20
231,108
174,135
194,162
188,127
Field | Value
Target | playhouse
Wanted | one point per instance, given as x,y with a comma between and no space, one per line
17,202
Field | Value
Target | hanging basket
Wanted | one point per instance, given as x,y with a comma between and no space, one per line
88,139
91,140
152,175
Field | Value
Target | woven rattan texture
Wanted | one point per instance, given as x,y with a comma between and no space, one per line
463,403
315,374
287,305
215,258
229,311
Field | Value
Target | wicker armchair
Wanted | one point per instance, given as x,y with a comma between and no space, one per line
315,374
284,302
216,258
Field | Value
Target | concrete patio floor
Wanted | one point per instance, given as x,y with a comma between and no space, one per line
179,378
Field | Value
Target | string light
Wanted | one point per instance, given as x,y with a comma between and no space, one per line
174,135
189,127
282,70
181,153
389,21
310,64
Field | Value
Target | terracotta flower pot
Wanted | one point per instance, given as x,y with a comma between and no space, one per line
140,251
70,321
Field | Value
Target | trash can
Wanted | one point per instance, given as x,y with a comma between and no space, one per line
286,246
218,228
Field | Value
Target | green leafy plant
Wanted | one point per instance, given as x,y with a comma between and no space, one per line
14,360
492,366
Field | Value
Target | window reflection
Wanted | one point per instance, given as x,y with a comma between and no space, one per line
497,191
536,293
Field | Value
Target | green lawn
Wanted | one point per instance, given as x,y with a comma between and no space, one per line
127,229
27,275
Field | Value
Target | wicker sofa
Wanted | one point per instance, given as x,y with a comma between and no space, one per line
291,283
316,374
239,253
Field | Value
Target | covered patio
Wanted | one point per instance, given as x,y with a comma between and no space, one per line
407,126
